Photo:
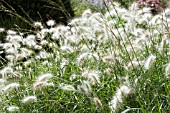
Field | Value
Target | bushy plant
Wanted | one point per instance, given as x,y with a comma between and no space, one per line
22,13
80,6
113,62
124,3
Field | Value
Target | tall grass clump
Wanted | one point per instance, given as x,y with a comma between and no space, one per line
113,62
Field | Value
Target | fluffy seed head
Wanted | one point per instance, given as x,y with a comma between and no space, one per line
167,70
6,70
11,32
29,99
108,58
92,76
38,24
38,85
133,64
115,103
51,23
42,81
85,87
66,87
44,77
125,90
117,100
20,57
13,108
10,87
2,30
149,62
97,102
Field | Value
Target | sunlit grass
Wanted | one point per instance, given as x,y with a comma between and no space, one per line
112,62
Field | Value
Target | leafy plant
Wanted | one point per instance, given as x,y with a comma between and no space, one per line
112,62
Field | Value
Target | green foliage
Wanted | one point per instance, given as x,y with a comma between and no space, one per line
125,3
80,7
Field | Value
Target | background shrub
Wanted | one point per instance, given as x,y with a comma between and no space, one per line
23,13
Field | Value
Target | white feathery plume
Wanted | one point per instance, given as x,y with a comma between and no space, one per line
29,99
42,81
11,32
38,24
10,87
149,62
13,108
97,102
92,76
120,95
67,87
44,77
85,87
50,23
167,70
2,30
